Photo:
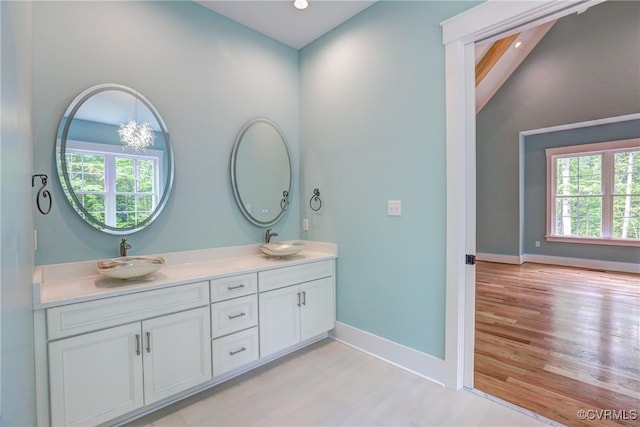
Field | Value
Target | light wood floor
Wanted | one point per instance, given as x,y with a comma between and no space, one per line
557,340
331,384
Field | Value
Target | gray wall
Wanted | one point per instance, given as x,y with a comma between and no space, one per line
17,204
205,74
587,67
535,190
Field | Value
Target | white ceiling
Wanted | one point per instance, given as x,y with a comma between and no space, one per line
279,20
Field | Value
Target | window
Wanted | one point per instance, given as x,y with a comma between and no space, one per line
593,193
117,188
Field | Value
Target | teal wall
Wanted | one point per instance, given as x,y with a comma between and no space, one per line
17,206
587,67
372,126
535,174
363,109
205,74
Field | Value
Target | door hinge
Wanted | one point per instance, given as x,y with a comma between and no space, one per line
470,259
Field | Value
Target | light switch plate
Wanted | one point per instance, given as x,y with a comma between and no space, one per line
394,207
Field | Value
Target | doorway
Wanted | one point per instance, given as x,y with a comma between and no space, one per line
461,152
484,22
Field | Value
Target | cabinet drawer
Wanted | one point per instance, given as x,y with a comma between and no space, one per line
232,287
89,316
281,277
235,350
234,315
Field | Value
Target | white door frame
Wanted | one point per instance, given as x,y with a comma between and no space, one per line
484,22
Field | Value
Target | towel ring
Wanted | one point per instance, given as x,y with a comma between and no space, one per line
42,192
315,203
284,203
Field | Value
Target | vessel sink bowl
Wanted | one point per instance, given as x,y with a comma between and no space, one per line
130,267
282,249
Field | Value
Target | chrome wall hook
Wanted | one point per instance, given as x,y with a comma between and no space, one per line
315,203
42,192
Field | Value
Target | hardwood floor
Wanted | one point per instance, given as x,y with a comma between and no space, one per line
332,384
560,340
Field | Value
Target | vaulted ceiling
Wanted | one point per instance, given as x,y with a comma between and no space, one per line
497,60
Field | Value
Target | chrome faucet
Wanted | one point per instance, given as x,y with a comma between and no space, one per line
268,235
124,246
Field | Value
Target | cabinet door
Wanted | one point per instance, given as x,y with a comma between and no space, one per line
177,353
317,315
96,376
279,319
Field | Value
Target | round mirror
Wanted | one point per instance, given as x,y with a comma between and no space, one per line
261,172
115,159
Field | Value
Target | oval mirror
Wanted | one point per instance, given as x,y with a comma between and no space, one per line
115,159
261,172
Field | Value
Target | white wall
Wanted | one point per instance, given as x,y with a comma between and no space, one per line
17,381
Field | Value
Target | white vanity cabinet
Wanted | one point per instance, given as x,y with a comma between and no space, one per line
108,352
111,356
296,303
234,322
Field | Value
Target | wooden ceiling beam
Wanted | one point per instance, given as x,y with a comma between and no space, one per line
492,56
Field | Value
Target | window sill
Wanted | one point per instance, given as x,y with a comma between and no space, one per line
594,241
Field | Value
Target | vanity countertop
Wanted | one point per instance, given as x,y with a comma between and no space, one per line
61,284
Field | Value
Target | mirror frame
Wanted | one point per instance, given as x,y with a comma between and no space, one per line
61,163
234,180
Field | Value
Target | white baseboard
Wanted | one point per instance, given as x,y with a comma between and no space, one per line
503,259
593,264
406,358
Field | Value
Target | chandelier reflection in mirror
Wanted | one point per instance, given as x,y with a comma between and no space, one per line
136,136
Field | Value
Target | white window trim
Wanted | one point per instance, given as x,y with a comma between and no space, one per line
157,156
597,148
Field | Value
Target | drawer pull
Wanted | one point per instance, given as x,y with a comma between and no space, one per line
233,288
233,353
148,342
237,315
137,344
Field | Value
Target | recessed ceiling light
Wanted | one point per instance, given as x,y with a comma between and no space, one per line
518,44
300,4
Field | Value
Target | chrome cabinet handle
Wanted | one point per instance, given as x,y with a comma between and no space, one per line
233,353
137,344
148,342
237,315
233,288
298,299
304,298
